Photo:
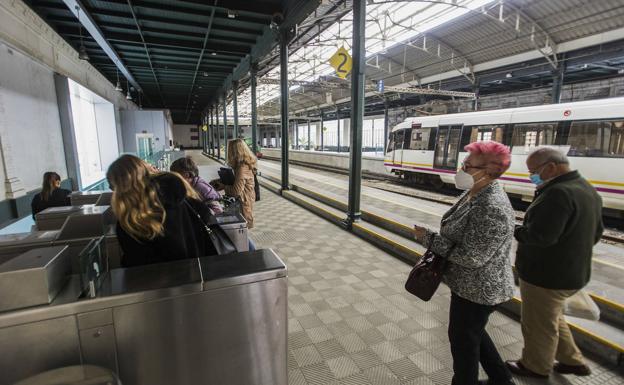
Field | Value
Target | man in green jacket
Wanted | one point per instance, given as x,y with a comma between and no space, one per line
553,262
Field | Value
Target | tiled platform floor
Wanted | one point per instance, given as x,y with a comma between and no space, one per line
350,320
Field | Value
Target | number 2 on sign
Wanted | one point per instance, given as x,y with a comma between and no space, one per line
340,68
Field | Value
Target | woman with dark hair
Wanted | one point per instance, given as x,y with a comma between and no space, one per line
51,195
157,214
187,168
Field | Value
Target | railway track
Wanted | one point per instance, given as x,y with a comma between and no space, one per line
390,184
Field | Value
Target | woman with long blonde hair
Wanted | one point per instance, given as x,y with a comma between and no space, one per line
244,164
156,220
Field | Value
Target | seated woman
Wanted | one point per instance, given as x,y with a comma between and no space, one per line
156,214
51,195
189,171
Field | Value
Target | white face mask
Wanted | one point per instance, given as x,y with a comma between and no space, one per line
463,180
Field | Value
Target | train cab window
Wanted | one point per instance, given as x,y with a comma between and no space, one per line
398,139
526,136
390,143
597,139
419,139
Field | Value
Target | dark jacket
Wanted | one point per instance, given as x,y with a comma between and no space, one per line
559,231
59,197
184,235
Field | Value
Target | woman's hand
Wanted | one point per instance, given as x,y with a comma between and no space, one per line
420,233
216,183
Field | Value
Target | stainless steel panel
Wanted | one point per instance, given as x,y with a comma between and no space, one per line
98,347
92,221
74,375
53,218
79,198
34,277
234,335
95,318
238,235
240,268
36,347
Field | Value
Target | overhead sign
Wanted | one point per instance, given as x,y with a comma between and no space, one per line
380,86
205,127
342,62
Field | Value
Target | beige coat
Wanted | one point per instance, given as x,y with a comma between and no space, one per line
243,188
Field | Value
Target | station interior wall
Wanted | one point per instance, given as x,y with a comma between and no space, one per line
154,122
30,130
183,134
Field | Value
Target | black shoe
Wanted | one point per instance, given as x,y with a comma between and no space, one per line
488,382
577,370
518,369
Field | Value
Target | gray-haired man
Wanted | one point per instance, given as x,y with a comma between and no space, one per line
553,262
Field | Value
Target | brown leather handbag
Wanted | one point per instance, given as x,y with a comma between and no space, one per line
426,276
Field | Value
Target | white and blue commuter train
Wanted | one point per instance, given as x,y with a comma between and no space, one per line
430,148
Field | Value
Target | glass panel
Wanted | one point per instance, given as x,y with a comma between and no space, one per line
453,146
488,132
398,139
440,146
390,142
528,136
596,139
420,139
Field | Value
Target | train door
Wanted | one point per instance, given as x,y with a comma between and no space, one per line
447,147
397,154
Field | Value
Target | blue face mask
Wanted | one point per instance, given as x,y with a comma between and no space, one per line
536,179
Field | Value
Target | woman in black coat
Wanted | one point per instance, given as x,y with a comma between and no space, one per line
51,195
156,215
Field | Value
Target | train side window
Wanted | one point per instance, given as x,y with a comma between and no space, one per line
420,139
597,139
486,132
527,136
407,136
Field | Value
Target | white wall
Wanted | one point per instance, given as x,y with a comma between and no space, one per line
145,122
30,129
182,135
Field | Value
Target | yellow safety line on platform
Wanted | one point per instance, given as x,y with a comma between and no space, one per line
588,333
607,302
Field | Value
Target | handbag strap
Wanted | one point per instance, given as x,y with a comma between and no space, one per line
201,221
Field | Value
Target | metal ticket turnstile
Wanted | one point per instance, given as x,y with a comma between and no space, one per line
76,233
235,226
53,218
187,322
98,198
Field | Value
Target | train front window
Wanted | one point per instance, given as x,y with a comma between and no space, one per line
597,139
390,143
527,136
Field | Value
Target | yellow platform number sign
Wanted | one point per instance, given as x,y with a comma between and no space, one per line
205,127
342,62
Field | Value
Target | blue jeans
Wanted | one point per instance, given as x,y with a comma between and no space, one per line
252,245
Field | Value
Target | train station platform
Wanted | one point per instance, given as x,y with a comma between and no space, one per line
350,319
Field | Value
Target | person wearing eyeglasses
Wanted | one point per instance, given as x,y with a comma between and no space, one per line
553,262
475,237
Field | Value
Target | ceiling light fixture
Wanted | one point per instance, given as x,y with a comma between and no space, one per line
231,14
118,85
509,75
128,95
214,54
82,50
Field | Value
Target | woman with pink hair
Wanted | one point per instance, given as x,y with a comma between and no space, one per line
475,238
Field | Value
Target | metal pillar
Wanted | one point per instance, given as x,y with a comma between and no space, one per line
475,89
218,134
357,111
211,132
386,123
338,132
296,131
254,112
558,80
225,127
308,146
235,107
322,134
284,104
